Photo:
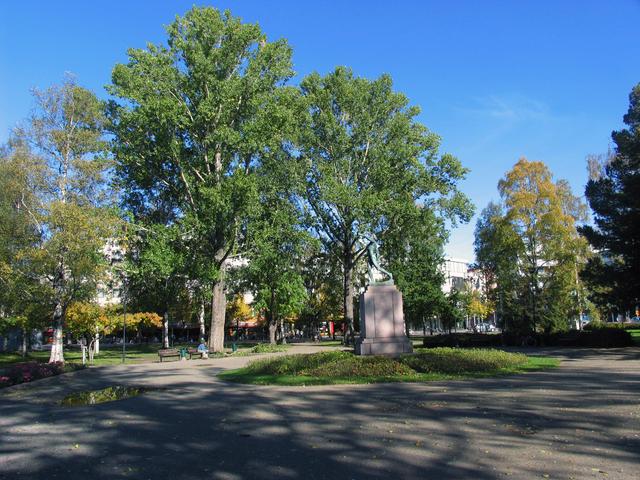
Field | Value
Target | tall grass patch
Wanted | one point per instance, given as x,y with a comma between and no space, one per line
344,367
459,361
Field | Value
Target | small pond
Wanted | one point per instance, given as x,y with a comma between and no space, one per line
109,394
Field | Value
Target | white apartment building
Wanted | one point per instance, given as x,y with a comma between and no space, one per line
457,274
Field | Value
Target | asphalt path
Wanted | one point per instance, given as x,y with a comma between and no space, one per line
579,421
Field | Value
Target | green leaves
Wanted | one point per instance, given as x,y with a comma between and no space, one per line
614,199
369,161
529,246
195,120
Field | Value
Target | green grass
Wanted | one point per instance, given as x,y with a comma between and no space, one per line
635,335
329,343
328,368
269,348
135,353
107,356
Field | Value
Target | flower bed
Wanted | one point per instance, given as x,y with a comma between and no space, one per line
29,371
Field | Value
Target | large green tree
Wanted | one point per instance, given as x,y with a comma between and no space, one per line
277,246
369,164
415,256
154,272
531,248
194,119
496,250
613,193
70,209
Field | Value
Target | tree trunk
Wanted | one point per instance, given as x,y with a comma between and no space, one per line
347,299
57,354
96,348
23,349
165,330
272,332
201,322
283,339
92,349
218,307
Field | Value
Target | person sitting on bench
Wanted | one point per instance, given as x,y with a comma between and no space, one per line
203,348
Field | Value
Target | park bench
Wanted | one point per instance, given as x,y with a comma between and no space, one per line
195,351
168,352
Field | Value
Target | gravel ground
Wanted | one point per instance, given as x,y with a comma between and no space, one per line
579,421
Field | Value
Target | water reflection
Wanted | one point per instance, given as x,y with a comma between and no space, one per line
109,394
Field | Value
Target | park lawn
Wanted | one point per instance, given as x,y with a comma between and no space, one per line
254,376
107,356
635,335
111,355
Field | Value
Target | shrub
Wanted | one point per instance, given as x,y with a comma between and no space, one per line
462,340
458,361
598,336
269,348
600,325
603,337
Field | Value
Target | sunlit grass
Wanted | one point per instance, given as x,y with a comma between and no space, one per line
111,355
329,368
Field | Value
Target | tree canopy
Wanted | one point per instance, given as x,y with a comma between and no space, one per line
613,193
195,119
66,199
369,165
529,246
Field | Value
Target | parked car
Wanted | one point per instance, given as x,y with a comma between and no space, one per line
484,328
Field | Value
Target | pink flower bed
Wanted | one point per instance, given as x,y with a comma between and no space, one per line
29,371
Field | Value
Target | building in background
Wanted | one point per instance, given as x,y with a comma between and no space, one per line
109,291
459,275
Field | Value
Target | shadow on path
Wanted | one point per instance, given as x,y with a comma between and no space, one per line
577,421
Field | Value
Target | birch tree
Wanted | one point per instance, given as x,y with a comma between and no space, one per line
70,206
532,241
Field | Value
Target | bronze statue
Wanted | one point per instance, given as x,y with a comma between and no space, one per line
373,260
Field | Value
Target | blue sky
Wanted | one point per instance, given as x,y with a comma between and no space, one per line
497,80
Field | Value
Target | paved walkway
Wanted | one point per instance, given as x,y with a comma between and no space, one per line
579,421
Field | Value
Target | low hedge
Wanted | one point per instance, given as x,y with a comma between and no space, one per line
601,325
463,340
603,337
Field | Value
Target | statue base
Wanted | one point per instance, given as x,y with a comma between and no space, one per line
382,328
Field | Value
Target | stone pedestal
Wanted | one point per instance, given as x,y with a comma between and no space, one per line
382,329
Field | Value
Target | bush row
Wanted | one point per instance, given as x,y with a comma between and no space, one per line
605,337
622,326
